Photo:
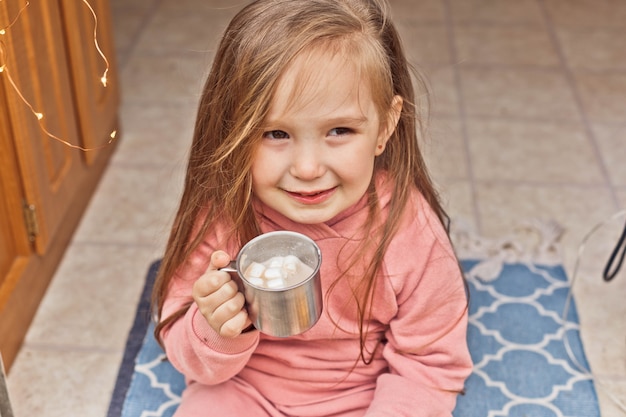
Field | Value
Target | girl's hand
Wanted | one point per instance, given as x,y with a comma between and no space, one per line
219,299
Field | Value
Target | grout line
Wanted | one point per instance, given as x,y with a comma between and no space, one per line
449,24
569,77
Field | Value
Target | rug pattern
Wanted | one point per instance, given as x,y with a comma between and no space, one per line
528,359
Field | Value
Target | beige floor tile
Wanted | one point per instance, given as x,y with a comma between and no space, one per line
595,49
587,13
621,196
507,12
612,144
444,151
505,45
225,8
155,135
600,303
600,326
540,152
422,11
504,206
119,7
126,26
603,96
133,206
444,99
612,388
430,45
163,35
504,92
176,78
458,201
595,249
63,383
107,280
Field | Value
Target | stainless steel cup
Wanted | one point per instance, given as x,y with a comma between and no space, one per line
286,311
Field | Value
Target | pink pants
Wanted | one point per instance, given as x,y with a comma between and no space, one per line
236,398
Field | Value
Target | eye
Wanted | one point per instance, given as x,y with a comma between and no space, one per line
276,134
340,131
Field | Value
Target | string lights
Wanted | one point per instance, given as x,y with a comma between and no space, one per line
4,70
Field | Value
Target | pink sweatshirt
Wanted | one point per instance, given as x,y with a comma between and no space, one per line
419,310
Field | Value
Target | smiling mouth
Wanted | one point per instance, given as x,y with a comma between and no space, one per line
314,197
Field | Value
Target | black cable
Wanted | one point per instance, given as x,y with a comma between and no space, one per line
608,275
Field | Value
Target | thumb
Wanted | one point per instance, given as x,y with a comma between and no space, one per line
219,259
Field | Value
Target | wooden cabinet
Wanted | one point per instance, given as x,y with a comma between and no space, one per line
50,62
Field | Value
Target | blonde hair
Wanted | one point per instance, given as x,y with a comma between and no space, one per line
257,47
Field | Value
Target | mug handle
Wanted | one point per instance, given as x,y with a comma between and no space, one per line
232,270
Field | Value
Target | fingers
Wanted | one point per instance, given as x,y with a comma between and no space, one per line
219,259
219,299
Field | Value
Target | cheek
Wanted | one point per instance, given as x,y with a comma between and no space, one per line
263,169
357,169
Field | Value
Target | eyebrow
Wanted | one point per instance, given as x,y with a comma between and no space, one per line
334,121
348,120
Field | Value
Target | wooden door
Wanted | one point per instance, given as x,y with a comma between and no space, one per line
45,182
15,247
90,56
36,60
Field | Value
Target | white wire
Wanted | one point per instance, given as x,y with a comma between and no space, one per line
568,348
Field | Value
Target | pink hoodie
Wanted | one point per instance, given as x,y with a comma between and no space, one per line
419,313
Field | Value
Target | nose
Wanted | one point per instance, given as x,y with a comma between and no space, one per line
307,161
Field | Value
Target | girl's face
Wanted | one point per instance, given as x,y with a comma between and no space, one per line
316,157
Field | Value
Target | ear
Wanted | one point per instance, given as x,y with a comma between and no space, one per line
393,116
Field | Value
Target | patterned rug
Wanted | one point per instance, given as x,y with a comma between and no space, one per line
528,356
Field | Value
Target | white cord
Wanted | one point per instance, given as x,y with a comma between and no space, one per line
570,353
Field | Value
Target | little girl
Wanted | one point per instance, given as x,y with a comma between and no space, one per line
308,123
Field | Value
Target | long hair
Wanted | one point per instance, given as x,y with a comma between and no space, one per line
256,48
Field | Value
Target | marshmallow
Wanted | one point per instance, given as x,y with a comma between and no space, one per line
277,272
275,262
255,269
273,273
256,281
275,283
290,264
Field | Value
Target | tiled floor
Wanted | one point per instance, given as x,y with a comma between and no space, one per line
528,121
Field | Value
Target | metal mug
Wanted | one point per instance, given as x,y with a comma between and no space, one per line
284,311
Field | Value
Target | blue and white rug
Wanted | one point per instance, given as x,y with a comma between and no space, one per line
529,360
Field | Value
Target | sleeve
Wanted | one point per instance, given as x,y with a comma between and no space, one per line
426,348
191,345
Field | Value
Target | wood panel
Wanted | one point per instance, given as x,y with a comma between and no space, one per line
95,102
36,58
14,244
39,170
